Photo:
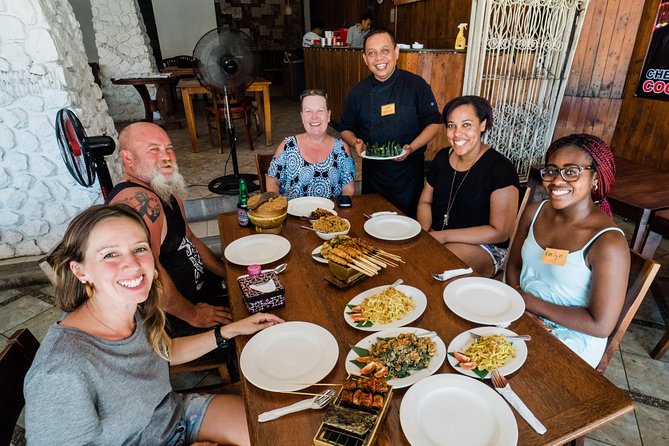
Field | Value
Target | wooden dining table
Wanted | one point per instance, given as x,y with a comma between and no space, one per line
162,103
259,87
568,396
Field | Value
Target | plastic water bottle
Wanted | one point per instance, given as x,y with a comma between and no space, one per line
242,204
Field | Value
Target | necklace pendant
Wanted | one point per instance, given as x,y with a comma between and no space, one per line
445,220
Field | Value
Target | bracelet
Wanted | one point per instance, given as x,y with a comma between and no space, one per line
221,342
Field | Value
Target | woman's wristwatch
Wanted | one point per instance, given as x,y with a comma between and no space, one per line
220,341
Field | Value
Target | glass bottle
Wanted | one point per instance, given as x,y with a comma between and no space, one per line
242,204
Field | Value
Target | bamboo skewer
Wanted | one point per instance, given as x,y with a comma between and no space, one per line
389,255
302,393
360,270
316,384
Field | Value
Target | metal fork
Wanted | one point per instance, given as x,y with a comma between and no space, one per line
508,338
318,402
503,388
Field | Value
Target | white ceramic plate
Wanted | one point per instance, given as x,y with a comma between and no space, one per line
450,409
382,158
462,341
257,248
398,383
282,355
316,255
302,206
392,227
417,295
484,301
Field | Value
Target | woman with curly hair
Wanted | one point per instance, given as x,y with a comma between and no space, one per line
101,375
470,197
569,261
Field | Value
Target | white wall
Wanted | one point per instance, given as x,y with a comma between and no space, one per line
181,24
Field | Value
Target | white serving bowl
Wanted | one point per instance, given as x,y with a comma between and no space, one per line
331,235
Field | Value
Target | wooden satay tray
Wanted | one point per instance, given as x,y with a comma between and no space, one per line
331,436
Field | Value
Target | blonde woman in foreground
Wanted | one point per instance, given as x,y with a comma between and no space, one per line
101,375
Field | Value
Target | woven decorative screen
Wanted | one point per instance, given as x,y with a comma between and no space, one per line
518,57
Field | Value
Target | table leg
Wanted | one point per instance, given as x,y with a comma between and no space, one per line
268,115
146,99
261,110
190,119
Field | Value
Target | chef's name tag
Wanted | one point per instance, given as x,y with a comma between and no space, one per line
554,256
388,109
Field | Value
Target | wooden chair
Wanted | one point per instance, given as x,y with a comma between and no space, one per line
642,273
15,360
262,166
524,193
182,61
241,107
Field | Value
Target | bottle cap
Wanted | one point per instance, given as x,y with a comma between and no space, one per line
253,270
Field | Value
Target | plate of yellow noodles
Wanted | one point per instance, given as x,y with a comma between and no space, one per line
492,351
385,307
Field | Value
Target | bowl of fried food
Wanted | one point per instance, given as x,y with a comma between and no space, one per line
267,212
330,226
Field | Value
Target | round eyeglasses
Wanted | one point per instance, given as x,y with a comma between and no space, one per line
569,173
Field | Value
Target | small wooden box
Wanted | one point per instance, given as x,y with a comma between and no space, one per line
332,436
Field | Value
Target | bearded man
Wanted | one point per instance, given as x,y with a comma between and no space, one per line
190,272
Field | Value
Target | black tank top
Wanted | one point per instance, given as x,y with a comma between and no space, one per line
178,255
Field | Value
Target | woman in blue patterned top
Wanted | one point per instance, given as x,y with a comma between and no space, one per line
313,163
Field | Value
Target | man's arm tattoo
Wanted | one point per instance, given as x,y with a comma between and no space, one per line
145,205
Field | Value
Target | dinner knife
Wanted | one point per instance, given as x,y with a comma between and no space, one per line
514,400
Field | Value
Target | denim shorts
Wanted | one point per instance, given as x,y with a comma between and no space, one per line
498,255
188,427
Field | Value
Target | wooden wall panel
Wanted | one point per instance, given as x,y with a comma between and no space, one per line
594,91
431,22
643,130
587,115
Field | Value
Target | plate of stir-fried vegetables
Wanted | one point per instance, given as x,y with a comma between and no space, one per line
403,356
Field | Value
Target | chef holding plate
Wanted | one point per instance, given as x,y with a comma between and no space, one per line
390,106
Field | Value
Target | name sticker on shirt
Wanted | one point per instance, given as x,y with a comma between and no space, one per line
388,109
554,256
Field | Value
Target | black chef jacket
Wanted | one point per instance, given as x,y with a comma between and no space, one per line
409,108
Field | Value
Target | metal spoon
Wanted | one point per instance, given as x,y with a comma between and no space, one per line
278,270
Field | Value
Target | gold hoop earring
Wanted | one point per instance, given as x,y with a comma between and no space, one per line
155,274
89,289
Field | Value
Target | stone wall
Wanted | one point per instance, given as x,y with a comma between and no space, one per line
264,21
123,49
43,68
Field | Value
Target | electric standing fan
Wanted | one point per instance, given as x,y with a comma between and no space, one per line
84,156
225,60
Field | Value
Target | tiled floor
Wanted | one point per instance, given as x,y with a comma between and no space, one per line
645,379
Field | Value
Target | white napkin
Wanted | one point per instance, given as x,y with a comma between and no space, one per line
266,287
451,273
276,413
515,402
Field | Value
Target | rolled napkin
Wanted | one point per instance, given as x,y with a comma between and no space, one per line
451,273
515,402
276,413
